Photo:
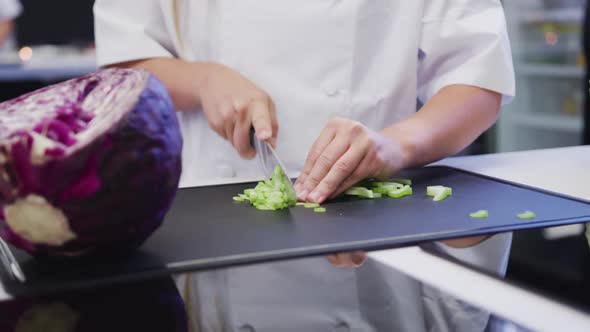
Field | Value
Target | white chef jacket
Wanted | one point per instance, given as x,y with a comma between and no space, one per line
366,60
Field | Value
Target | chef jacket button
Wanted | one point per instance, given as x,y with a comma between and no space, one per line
331,92
225,171
341,327
331,89
246,328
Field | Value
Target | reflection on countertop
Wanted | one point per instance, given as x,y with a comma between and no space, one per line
153,305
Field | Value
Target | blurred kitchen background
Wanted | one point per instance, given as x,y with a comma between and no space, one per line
53,41
50,44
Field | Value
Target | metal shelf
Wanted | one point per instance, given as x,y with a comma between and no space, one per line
558,122
553,71
557,15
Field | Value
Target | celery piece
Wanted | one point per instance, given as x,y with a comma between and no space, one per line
377,195
381,190
385,187
479,214
270,194
319,209
299,204
238,199
360,191
389,184
401,192
438,192
310,205
526,215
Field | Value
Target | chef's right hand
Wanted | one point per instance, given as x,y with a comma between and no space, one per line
233,104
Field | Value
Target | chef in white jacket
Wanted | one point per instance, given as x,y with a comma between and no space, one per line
334,85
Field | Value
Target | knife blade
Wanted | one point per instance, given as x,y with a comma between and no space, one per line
269,160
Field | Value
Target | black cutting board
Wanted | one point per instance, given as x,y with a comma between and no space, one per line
206,229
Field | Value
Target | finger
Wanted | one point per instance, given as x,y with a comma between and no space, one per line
273,122
261,119
332,259
228,116
351,259
214,119
326,136
340,172
337,260
361,171
358,258
242,135
334,151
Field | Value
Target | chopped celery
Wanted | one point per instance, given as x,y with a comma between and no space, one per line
526,215
438,192
360,191
385,187
310,205
406,182
377,195
299,204
479,214
401,192
319,209
388,184
270,194
238,199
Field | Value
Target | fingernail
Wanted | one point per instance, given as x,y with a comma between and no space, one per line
315,197
357,261
264,134
302,195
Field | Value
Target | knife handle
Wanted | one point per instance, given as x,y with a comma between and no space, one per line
252,138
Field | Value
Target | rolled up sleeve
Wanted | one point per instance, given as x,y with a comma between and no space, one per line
465,42
130,30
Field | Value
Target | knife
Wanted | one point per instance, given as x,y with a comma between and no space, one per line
269,160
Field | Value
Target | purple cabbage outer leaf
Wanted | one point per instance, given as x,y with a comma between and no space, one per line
89,165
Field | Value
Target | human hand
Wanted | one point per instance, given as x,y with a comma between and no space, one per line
233,104
345,153
353,259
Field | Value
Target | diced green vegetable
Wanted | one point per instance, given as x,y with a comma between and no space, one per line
319,209
438,192
388,184
377,195
401,192
310,205
479,214
360,191
270,194
299,204
238,199
385,187
526,215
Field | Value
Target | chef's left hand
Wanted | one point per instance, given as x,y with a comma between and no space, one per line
345,153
